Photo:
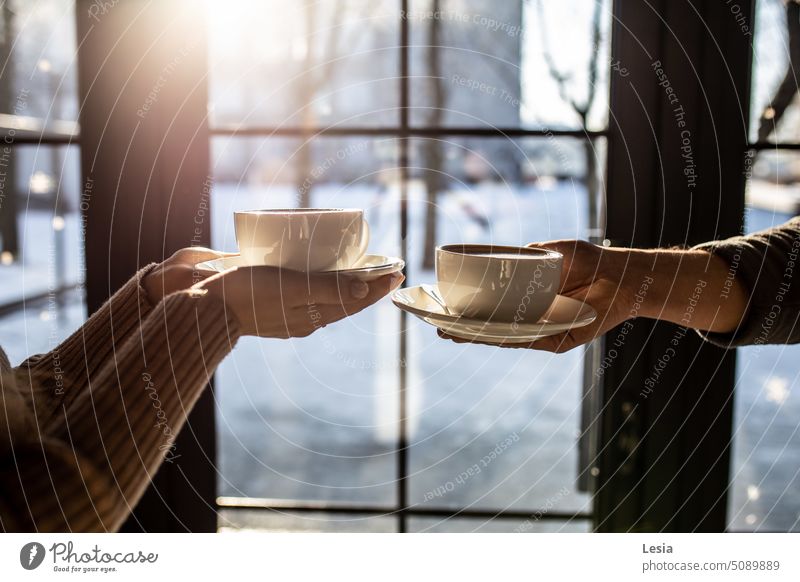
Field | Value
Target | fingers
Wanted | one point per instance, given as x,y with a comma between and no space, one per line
582,261
194,255
296,289
319,315
324,289
444,335
558,344
376,290
565,246
564,342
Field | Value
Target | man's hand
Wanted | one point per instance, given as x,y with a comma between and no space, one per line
591,274
598,276
680,286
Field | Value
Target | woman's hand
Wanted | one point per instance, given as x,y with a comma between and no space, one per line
178,272
279,303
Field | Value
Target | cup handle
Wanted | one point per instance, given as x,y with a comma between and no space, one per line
362,249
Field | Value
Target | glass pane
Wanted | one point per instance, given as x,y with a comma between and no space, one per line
39,327
468,402
41,237
509,64
304,64
505,525
765,494
503,191
775,110
308,522
38,52
314,418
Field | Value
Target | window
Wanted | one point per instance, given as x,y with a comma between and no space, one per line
41,249
765,474
446,120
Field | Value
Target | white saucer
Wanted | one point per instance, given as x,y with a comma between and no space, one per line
564,314
367,268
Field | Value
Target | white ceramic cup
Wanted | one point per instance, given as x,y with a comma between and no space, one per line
302,239
498,283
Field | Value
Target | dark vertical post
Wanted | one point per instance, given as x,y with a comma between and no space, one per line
402,437
677,136
9,232
144,137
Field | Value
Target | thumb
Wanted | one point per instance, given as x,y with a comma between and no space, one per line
194,255
564,246
567,249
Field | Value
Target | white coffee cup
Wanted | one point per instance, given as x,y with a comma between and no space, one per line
302,239
498,283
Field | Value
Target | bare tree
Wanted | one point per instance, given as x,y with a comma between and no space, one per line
786,91
323,52
312,80
581,108
482,42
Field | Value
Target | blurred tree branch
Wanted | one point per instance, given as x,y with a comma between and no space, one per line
581,109
784,94
319,70
562,79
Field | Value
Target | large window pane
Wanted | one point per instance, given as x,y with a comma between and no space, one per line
304,63
765,493
506,64
317,419
314,418
39,327
41,248
502,191
465,400
37,52
41,234
287,426
41,240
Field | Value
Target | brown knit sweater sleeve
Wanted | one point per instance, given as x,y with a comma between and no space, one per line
59,376
91,468
768,265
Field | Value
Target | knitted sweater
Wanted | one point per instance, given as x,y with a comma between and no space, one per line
84,428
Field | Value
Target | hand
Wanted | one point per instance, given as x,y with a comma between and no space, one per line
597,276
279,303
692,288
594,275
178,272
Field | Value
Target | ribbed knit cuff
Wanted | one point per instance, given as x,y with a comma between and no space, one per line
764,263
61,374
126,423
